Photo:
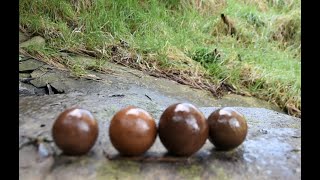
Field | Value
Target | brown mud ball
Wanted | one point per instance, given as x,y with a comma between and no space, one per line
132,131
75,131
227,128
183,129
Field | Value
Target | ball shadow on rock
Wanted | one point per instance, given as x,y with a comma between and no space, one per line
232,155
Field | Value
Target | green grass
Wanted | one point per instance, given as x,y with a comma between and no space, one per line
264,59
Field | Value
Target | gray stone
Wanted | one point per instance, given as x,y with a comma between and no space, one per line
26,89
270,151
24,75
22,37
23,58
34,41
43,77
62,82
30,65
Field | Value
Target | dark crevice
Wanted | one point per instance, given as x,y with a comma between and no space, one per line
25,59
27,71
39,91
52,90
26,80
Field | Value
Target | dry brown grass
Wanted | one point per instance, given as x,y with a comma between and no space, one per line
209,6
281,3
251,76
54,61
182,69
219,29
262,5
205,7
287,29
82,4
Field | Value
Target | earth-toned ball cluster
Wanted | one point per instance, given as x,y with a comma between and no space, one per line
182,130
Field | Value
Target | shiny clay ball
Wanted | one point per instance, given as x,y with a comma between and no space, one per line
75,131
183,129
227,128
132,131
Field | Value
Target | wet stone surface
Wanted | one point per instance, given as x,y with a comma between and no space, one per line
270,151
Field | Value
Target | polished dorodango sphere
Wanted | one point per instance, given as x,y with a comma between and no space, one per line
132,131
75,131
183,129
227,128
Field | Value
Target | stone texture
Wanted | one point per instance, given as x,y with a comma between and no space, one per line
270,151
22,37
29,65
34,41
24,75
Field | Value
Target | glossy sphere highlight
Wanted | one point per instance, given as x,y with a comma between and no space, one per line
227,128
75,131
183,129
132,131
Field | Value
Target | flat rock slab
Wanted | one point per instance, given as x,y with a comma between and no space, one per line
270,151
28,89
34,41
29,65
24,75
